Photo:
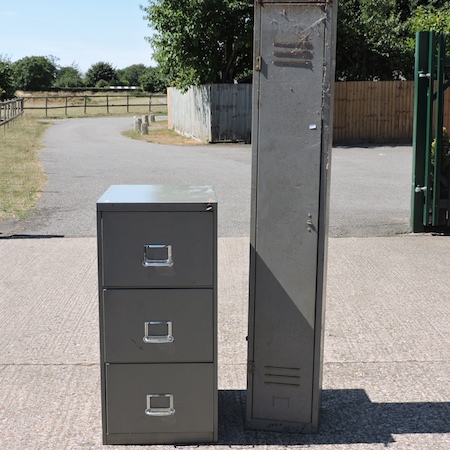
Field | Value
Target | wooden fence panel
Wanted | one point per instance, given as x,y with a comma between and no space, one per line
373,111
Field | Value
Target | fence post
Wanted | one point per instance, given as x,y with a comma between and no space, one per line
107,103
128,103
150,102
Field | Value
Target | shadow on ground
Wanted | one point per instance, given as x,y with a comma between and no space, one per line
347,417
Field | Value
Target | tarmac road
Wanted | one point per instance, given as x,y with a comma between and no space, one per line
83,157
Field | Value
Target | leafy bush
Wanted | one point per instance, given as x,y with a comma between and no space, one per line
68,77
34,73
445,155
101,71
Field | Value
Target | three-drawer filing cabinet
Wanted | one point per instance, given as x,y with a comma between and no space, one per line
157,255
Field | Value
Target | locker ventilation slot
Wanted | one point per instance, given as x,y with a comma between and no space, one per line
293,54
285,376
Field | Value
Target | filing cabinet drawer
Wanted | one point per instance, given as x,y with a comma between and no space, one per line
158,325
154,249
159,398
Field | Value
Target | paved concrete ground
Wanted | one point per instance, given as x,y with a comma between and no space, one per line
387,341
387,346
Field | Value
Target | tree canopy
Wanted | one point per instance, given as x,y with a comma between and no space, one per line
197,42
6,79
376,37
68,77
101,74
130,75
34,73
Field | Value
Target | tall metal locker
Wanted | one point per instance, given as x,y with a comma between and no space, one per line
157,253
292,111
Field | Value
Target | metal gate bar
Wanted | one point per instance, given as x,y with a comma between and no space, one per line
430,199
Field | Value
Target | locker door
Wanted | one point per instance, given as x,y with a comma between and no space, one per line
285,210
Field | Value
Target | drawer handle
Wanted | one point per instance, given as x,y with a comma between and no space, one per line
158,339
157,255
160,405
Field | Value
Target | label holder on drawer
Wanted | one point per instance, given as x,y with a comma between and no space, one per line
157,255
160,405
158,339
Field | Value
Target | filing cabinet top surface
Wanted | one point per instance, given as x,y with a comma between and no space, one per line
152,197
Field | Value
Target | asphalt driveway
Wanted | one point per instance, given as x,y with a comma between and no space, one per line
83,157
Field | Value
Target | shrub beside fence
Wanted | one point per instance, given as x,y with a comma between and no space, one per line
10,110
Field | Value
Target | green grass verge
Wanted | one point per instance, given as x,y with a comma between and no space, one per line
21,173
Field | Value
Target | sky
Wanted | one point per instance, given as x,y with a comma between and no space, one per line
83,32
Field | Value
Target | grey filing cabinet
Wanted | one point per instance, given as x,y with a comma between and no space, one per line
157,254
291,138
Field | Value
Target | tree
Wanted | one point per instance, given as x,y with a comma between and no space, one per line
152,80
373,40
130,75
34,73
197,42
101,71
68,77
376,38
432,18
6,79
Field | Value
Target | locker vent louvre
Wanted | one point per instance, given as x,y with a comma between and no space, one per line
285,376
293,54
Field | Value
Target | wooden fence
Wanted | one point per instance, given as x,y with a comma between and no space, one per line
10,110
364,111
376,112
109,103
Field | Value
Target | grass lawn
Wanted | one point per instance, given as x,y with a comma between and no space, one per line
21,173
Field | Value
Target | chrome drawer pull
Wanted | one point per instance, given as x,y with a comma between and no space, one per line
159,407
158,339
157,255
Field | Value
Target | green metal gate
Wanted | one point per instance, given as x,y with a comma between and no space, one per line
430,199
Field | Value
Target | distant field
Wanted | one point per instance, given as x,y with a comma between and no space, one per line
56,105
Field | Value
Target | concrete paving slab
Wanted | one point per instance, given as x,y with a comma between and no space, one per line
387,346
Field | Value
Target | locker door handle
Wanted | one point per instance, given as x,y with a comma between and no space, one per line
157,255
161,338
160,405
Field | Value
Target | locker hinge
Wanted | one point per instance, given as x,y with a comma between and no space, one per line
258,63
251,368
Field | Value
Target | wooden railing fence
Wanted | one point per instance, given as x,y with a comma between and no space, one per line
110,103
10,110
364,111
